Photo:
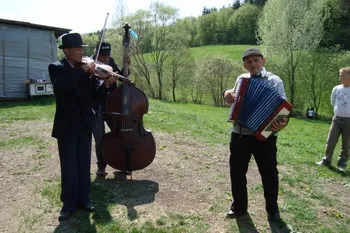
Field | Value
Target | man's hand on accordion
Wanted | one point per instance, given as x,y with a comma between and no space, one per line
279,124
229,96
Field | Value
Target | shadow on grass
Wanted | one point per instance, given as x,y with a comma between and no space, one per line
79,222
334,169
279,227
121,191
245,224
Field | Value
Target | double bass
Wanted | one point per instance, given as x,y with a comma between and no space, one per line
129,146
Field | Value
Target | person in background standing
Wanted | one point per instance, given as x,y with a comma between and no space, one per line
104,57
340,100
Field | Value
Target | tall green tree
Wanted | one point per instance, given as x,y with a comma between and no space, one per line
164,39
259,3
187,27
207,28
223,25
243,24
318,76
179,68
217,74
337,30
296,30
236,4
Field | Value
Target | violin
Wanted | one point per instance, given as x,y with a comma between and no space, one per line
103,71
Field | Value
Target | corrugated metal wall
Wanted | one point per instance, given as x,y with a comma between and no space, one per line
25,53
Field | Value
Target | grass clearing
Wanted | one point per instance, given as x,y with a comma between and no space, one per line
186,189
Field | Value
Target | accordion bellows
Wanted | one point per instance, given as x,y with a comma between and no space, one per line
256,106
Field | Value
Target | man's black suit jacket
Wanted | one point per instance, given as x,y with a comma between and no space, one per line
74,92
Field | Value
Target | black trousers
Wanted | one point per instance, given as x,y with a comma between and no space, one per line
242,147
75,160
99,135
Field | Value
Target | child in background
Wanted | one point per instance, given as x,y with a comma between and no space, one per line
340,100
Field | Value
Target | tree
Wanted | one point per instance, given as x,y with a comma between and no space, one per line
180,67
337,29
207,28
206,11
296,30
222,25
316,80
236,4
164,40
259,3
187,27
243,24
91,40
217,75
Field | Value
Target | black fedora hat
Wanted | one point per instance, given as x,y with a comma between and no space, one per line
72,40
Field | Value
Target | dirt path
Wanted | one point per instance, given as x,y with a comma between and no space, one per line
186,177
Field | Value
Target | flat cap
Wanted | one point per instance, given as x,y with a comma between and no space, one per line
251,52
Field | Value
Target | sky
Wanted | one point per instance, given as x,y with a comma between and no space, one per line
84,16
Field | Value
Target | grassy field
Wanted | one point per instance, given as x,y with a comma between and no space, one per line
312,199
232,52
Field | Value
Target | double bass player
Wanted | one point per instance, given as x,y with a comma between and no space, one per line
103,56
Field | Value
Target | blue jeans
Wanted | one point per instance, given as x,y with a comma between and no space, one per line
339,126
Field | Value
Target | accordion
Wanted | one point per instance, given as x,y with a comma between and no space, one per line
256,106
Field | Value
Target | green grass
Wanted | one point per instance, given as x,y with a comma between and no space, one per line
305,204
20,142
14,111
189,120
228,51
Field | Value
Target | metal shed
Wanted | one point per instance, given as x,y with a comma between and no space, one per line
26,50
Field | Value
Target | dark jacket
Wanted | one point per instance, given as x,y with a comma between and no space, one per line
74,92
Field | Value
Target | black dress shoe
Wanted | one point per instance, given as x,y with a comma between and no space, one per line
64,215
275,217
88,207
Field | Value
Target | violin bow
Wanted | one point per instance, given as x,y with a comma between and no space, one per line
101,39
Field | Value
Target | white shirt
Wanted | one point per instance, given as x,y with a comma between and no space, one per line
340,100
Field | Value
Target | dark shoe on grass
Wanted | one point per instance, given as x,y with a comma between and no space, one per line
274,217
101,172
64,215
88,207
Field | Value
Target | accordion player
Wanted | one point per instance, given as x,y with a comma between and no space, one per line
256,106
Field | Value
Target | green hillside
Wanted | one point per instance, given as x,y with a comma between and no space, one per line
233,52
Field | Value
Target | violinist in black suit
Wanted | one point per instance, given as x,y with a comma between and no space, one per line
74,122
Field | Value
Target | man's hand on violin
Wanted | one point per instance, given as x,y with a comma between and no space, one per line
279,124
112,78
89,67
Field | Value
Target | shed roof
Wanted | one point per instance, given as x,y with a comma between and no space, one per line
58,31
